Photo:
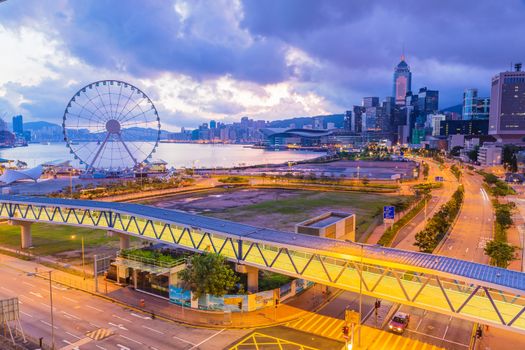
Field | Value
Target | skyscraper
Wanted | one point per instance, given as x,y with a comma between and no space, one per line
428,101
18,125
402,81
507,110
474,107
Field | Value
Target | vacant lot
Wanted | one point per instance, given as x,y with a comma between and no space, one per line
277,208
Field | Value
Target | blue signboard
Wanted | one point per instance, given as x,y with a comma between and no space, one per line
389,212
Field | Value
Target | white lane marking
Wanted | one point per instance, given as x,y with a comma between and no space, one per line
28,298
72,316
122,318
7,290
205,340
38,295
119,326
466,250
122,347
94,325
142,317
20,302
25,313
152,329
72,300
431,336
67,342
174,337
133,340
48,324
57,287
46,305
94,308
74,336
100,347
29,284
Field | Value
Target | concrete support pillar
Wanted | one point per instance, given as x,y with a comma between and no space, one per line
25,233
135,275
253,276
124,241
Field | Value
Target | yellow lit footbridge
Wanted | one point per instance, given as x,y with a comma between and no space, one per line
463,289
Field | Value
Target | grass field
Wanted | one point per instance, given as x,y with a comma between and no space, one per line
284,213
52,239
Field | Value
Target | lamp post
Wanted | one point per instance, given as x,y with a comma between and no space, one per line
83,260
50,303
360,298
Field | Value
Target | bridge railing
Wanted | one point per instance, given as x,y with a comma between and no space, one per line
449,294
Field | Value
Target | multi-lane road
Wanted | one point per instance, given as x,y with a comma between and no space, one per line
77,314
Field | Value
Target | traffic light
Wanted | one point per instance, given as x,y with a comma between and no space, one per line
377,304
240,305
345,330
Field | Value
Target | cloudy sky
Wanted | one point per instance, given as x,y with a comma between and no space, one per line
272,59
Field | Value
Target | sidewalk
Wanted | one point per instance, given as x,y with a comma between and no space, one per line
310,300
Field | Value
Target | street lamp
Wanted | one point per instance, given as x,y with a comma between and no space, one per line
83,261
50,303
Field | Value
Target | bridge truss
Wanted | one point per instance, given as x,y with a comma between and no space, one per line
462,289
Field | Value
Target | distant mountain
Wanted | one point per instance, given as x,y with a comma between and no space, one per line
454,109
40,125
300,122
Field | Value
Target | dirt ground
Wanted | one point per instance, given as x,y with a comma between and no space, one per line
220,199
278,208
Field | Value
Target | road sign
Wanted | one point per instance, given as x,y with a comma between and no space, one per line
389,212
439,178
351,316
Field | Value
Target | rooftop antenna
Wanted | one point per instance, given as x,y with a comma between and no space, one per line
403,52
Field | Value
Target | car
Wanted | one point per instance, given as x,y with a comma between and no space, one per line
399,322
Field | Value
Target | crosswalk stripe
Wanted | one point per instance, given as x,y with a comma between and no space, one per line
386,341
310,320
328,327
406,343
314,324
321,326
336,327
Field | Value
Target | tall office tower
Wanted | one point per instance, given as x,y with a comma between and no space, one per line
18,124
507,110
348,121
370,102
318,123
427,103
402,81
386,121
213,124
474,107
357,119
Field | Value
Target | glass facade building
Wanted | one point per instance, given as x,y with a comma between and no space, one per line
474,107
402,81
507,112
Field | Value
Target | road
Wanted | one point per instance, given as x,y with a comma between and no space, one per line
474,226
405,238
77,313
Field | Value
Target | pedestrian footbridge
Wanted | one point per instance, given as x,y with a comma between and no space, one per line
476,292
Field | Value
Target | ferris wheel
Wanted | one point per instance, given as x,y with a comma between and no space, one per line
111,125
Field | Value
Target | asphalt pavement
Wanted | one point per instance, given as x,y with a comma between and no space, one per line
77,314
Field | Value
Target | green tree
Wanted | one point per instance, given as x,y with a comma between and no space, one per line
208,273
425,240
473,154
455,151
500,253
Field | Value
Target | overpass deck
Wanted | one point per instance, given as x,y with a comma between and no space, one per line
459,288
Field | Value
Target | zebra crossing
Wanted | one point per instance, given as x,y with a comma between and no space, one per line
373,338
